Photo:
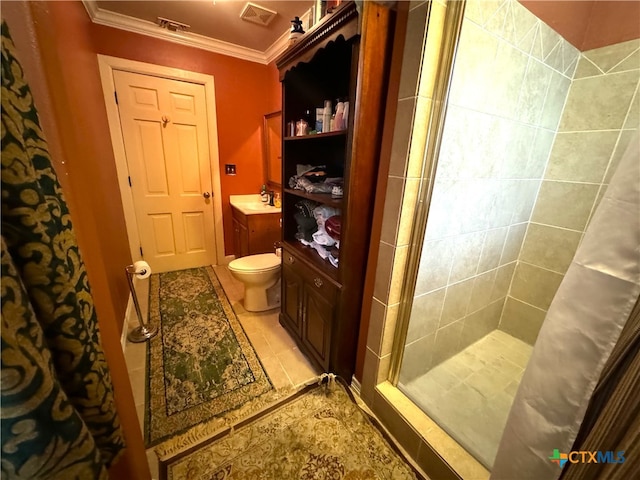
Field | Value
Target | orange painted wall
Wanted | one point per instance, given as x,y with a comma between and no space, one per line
244,94
612,22
589,24
58,50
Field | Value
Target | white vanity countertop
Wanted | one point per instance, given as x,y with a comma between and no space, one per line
251,204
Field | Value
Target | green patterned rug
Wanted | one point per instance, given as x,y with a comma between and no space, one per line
318,433
201,364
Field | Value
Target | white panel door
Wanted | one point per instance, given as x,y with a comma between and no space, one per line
164,126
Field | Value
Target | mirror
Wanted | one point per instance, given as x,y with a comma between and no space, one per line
272,138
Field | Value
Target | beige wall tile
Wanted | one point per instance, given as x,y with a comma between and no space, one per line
466,256
534,87
397,276
535,285
376,325
581,156
383,369
508,71
409,202
435,265
632,62
447,342
472,74
455,302
586,68
389,329
482,288
418,137
565,204
621,148
501,285
417,358
608,57
521,320
492,249
480,323
383,272
369,376
392,208
412,56
425,314
401,137
550,247
554,101
633,117
599,103
513,243
540,150
432,50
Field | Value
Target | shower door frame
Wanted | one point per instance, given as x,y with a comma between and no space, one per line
448,48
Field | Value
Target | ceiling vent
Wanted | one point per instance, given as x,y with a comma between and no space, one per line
257,14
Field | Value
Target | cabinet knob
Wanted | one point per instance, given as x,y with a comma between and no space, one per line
291,259
318,282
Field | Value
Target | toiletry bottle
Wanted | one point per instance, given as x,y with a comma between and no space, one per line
264,195
319,113
326,116
339,122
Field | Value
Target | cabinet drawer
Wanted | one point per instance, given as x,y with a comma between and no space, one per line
318,282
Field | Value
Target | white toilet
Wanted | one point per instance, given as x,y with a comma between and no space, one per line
260,275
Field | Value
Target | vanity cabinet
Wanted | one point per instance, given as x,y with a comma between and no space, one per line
344,57
254,233
308,306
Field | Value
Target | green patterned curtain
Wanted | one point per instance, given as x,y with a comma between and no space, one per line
57,410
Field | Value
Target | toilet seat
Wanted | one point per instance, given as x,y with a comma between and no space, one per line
256,263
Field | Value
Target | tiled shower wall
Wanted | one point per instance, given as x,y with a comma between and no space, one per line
510,82
600,117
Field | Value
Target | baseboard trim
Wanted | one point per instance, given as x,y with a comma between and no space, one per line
355,386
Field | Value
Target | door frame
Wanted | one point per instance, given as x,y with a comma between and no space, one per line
107,65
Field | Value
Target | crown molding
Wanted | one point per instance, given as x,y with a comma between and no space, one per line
150,29
277,47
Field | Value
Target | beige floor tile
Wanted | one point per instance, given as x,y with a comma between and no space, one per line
458,367
138,385
298,368
154,466
470,394
260,345
276,372
135,356
279,340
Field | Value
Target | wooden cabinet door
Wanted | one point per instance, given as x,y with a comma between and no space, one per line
292,299
317,323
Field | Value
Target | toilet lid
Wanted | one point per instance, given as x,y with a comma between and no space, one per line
256,263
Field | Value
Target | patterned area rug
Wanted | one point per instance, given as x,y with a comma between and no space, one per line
201,364
318,433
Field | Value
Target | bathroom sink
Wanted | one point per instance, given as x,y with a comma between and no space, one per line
251,204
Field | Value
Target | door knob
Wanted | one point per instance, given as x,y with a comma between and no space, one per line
206,194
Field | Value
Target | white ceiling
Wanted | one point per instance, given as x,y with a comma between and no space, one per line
214,23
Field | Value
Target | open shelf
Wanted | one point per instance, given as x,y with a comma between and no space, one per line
317,136
310,255
324,198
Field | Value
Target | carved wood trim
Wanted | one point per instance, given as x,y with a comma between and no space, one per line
342,22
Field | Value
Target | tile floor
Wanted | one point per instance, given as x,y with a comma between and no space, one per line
470,394
285,364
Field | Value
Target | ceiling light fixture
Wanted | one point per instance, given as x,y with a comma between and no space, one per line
172,25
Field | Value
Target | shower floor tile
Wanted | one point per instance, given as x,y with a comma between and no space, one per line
470,394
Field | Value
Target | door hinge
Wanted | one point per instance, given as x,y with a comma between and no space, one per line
129,180
115,94
141,254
